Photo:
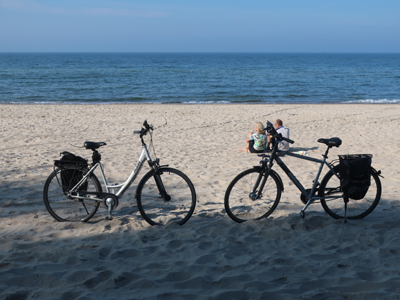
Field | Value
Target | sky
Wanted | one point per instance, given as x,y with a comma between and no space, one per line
200,26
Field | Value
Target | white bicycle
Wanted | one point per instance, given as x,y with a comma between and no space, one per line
72,192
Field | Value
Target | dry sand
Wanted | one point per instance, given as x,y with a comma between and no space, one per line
210,257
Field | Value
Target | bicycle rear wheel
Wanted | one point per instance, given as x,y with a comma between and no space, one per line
176,206
63,208
239,201
333,202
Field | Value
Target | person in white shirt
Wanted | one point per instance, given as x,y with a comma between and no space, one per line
283,145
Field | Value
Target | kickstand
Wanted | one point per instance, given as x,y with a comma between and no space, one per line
303,211
110,203
109,213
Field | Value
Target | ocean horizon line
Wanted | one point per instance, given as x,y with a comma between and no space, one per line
194,52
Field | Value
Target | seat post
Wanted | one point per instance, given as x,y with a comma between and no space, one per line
326,153
96,157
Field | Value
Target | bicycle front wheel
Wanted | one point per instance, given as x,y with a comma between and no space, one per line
165,198
333,202
241,201
63,208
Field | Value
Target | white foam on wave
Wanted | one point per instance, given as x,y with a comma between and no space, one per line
361,101
206,102
380,101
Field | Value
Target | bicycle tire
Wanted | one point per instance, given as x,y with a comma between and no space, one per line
356,209
238,204
65,209
154,209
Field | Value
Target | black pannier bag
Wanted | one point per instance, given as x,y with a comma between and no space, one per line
72,168
355,174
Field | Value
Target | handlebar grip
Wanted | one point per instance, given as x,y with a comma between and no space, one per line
279,137
288,140
147,126
137,132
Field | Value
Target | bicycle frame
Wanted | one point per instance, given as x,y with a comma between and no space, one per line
308,194
297,183
145,155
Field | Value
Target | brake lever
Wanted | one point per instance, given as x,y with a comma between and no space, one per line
146,125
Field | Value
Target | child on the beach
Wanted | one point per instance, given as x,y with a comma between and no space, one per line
257,140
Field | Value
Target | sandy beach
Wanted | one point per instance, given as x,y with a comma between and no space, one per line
210,257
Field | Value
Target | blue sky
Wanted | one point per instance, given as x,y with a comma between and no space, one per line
199,26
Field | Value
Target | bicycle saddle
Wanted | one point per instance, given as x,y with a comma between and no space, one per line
93,145
332,142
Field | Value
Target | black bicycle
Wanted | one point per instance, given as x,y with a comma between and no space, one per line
351,189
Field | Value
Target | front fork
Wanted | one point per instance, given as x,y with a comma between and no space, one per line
262,178
157,178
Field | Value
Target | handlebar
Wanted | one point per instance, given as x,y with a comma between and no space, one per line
145,129
286,139
271,130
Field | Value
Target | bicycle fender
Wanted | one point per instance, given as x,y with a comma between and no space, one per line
160,168
280,182
377,172
151,172
279,179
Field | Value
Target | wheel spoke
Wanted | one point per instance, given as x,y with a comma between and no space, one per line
240,203
64,208
180,202
333,198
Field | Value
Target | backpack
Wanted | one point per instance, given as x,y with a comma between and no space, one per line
72,171
355,175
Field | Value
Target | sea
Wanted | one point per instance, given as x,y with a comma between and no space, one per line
199,78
